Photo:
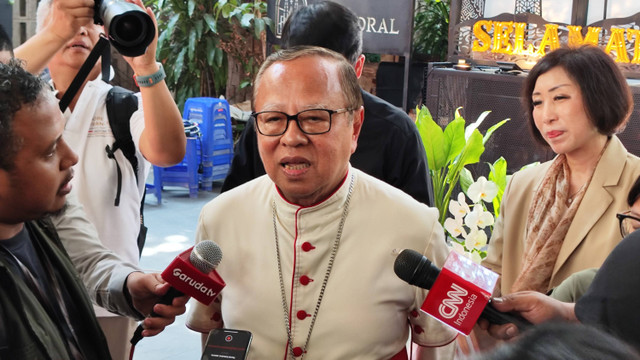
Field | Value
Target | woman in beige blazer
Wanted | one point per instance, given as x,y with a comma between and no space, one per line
560,217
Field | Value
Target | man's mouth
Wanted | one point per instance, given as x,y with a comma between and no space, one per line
66,185
79,45
298,166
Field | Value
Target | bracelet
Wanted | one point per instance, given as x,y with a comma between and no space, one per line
150,80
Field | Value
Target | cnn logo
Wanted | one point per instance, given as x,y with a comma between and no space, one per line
450,305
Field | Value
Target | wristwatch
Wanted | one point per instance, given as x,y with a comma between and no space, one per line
150,80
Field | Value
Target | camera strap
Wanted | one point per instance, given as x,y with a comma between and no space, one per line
82,74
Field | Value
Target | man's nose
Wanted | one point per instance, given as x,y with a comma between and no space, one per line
68,156
293,135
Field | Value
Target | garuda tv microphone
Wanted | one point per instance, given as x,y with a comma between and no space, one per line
191,273
459,294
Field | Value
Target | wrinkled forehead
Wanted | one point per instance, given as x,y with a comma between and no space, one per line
312,79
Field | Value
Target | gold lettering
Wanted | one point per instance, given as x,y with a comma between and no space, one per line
501,31
617,44
549,39
518,46
481,35
634,35
575,36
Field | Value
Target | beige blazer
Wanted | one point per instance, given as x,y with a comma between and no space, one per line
593,233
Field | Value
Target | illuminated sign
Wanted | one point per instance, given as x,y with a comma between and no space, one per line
508,37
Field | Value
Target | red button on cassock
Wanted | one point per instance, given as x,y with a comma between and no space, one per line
302,315
297,351
306,246
305,280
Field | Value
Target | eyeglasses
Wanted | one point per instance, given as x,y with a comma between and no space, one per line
628,223
310,122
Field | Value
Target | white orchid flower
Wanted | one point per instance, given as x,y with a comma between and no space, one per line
482,189
457,247
459,208
476,239
455,226
478,218
475,257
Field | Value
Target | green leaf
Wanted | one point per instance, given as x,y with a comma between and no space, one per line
211,22
245,83
471,153
245,22
466,179
498,175
198,26
454,139
172,23
476,124
473,149
219,57
177,70
233,13
192,44
269,22
210,51
492,129
191,5
432,138
498,172
258,27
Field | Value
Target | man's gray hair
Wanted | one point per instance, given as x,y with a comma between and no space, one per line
346,73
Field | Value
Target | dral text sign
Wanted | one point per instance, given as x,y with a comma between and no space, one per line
386,25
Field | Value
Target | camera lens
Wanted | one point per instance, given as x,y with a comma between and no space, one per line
129,28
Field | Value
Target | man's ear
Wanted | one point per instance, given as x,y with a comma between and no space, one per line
359,65
358,119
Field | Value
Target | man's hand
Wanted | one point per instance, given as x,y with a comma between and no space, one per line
533,306
145,291
67,16
145,64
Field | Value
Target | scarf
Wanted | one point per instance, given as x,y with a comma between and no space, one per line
550,216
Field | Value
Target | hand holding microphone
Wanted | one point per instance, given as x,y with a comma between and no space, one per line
191,273
459,294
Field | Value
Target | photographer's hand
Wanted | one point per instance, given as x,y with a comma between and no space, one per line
163,141
62,23
145,64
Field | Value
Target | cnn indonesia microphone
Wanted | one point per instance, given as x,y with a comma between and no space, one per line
459,294
191,273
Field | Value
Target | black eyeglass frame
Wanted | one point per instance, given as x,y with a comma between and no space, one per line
621,217
295,117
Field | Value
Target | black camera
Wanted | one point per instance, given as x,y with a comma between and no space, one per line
129,28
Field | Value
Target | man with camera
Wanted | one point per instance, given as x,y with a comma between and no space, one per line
110,191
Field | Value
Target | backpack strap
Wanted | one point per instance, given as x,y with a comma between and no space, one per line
121,104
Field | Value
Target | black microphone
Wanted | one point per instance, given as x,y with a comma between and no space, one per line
416,269
192,273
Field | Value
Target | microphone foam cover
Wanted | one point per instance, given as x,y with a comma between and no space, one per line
206,256
416,269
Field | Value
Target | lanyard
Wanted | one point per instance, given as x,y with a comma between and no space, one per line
40,293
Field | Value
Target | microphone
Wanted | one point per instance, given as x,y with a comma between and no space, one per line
193,273
459,294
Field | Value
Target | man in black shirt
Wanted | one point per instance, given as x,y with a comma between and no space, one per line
389,146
